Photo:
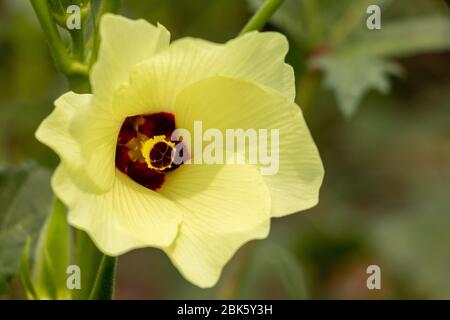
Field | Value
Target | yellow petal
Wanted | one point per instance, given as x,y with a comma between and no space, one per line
124,43
64,187
253,56
260,57
155,83
225,206
96,131
54,131
101,226
129,216
231,103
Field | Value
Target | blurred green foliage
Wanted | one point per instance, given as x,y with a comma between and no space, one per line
24,198
385,194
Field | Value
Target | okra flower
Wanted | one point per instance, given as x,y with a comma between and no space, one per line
117,175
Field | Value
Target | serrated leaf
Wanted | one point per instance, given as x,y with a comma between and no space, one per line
52,255
25,200
351,78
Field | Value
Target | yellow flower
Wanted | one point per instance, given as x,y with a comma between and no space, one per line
199,214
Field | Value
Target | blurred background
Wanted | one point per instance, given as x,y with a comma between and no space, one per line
378,106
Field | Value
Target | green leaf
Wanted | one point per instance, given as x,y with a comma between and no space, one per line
88,258
351,78
52,255
25,272
25,199
104,282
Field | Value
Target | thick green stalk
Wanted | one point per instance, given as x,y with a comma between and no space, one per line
78,83
263,15
88,258
78,43
103,287
61,56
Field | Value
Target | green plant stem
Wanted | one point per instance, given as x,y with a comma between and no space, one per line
63,60
103,287
263,15
78,44
78,83
88,258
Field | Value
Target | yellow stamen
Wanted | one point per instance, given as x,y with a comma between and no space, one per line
147,147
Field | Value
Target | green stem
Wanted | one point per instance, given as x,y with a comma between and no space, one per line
103,288
263,15
88,258
78,44
63,61
78,83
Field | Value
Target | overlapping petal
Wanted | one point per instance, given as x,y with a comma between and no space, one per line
54,131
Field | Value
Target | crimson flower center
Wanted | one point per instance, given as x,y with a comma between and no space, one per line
144,150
